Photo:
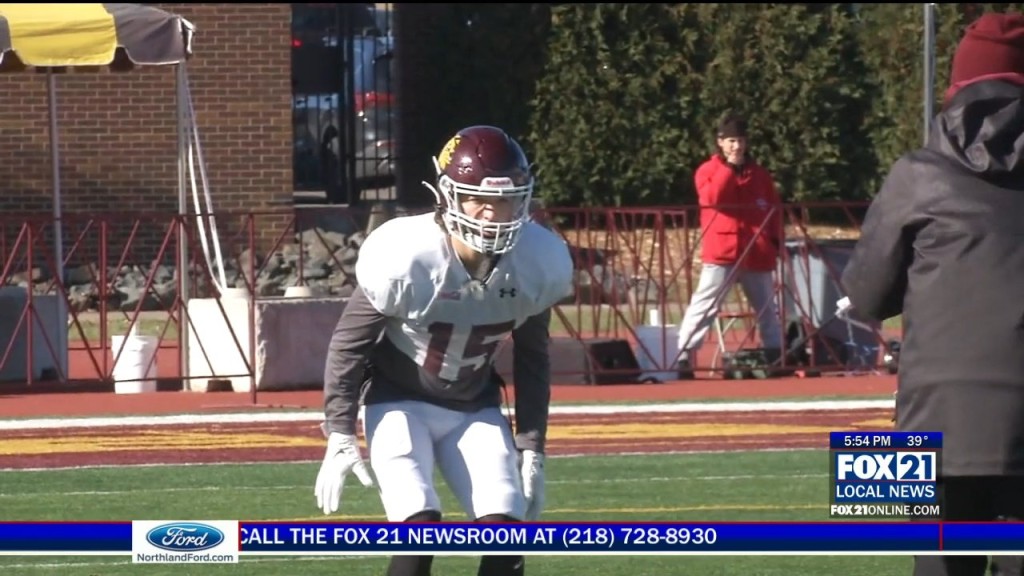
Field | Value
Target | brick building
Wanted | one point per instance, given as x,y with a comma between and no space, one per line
118,135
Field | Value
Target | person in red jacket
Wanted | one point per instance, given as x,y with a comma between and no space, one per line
741,228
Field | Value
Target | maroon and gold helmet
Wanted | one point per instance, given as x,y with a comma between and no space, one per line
482,161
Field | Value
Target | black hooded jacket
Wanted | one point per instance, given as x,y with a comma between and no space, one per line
943,244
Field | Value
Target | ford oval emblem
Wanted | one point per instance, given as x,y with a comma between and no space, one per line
185,537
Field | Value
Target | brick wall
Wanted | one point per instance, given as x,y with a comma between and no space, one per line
118,136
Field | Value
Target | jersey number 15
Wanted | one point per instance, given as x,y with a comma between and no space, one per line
444,359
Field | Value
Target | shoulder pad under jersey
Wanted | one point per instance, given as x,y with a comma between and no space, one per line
549,263
391,261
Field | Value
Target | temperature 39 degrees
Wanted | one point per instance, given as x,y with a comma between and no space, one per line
883,440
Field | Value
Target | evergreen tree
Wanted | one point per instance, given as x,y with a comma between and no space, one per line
637,90
795,70
617,109
891,37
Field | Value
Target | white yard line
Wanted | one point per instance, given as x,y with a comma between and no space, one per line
317,460
317,416
284,487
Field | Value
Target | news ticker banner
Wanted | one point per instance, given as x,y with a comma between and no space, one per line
885,474
196,541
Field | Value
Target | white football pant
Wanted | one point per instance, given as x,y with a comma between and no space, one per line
475,452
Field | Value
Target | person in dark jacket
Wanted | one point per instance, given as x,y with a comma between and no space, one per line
943,244
741,229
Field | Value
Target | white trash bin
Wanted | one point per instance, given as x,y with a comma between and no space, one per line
659,350
135,369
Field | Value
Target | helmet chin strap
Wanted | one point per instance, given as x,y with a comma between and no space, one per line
437,195
465,242
440,204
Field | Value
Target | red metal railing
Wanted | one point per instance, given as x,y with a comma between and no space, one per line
120,270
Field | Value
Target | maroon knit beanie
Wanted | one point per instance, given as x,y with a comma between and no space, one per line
992,44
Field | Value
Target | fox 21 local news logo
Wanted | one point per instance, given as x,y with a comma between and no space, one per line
184,542
917,466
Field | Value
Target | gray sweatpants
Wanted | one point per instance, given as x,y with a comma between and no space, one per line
715,282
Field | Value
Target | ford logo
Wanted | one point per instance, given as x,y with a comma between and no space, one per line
185,537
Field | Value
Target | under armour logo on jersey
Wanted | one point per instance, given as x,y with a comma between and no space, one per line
510,292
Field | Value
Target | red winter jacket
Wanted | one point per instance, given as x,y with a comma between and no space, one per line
734,206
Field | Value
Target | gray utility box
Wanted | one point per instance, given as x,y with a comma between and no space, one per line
811,274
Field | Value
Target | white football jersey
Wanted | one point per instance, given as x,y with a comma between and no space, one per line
438,317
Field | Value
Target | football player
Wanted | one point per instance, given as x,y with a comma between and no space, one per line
437,293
